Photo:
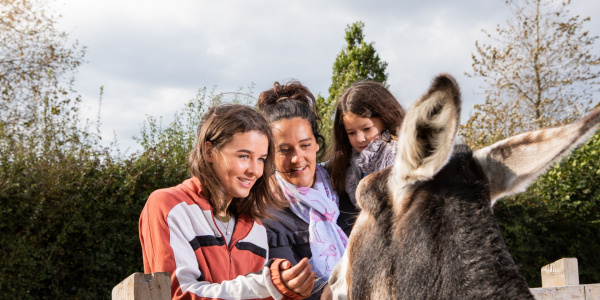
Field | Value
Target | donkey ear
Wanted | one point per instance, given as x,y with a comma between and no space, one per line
511,165
427,133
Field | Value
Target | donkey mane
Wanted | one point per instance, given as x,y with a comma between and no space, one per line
427,229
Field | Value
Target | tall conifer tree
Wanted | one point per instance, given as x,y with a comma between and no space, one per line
357,61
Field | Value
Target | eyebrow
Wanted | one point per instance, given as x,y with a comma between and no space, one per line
301,141
250,152
362,125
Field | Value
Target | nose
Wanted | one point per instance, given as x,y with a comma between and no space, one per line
360,137
254,169
296,158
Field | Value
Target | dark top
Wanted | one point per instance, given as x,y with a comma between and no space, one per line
288,236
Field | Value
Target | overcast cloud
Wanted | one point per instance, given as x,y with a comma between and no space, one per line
151,57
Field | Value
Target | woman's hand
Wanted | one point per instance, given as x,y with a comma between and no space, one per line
299,278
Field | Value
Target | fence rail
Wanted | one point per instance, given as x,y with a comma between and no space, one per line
560,280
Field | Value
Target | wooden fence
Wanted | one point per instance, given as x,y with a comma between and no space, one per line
140,286
560,281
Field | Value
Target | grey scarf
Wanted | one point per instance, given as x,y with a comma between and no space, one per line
377,156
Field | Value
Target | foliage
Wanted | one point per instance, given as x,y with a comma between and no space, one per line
70,219
559,216
357,61
36,73
69,207
540,71
326,109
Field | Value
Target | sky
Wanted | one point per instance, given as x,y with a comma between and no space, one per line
151,57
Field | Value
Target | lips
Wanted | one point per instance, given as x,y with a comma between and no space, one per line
245,182
300,169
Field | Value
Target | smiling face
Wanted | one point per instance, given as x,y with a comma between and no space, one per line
361,131
239,163
296,151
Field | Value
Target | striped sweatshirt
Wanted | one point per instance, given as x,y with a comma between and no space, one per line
178,235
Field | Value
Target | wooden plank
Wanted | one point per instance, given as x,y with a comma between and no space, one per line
125,289
138,286
571,292
592,291
560,273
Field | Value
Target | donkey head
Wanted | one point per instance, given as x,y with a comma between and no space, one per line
426,229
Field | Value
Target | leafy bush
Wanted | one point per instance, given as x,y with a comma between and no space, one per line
70,213
559,216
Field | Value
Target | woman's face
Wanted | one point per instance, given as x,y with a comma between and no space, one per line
295,151
240,162
361,131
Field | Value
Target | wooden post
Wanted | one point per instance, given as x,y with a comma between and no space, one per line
140,286
560,280
560,273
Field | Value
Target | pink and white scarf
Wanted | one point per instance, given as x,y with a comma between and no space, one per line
318,206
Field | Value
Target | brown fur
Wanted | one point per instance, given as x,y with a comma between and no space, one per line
427,229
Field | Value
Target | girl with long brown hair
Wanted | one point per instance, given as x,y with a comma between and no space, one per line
206,231
367,117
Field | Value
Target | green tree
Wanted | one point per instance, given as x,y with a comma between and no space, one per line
540,71
37,68
357,61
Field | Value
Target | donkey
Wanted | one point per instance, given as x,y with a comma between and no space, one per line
427,229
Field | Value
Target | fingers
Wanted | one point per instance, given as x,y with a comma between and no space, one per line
285,265
304,285
289,273
299,278
307,286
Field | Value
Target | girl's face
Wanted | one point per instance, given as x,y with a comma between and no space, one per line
240,162
296,151
361,131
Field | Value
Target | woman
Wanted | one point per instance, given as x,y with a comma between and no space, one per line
365,126
205,232
314,226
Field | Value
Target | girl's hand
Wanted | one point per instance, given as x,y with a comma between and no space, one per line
298,278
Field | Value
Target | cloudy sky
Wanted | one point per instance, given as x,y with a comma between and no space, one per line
151,56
